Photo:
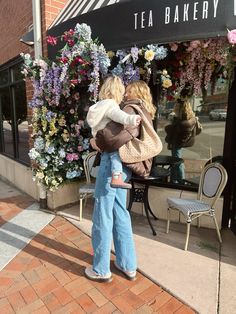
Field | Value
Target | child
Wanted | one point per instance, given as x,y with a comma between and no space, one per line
105,110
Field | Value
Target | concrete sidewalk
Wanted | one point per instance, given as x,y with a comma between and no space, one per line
204,277
43,271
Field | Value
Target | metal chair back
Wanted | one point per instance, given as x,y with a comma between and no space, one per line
212,182
89,170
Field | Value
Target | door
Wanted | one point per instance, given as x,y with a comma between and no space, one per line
229,210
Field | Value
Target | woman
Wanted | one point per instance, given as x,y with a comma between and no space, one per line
110,216
180,133
105,110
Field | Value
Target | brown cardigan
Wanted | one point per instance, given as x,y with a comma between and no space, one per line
114,135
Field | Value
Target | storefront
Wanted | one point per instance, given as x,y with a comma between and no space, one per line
149,22
121,25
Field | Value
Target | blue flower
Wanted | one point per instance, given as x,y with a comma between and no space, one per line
72,174
84,31
39,143
50,149
118,70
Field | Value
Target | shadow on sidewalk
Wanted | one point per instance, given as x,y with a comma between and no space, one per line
66,251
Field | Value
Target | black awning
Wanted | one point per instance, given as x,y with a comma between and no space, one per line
75,8
154,21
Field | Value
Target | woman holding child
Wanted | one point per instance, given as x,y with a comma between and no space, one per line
110,217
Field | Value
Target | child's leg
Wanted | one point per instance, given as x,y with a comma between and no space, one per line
116,164
116,169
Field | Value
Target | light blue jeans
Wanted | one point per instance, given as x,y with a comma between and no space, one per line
116,163
111,219
177,171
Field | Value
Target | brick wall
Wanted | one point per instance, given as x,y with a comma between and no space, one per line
50,10
15,17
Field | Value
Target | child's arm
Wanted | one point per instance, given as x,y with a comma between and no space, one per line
117,115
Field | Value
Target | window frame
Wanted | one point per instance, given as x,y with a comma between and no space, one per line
11,84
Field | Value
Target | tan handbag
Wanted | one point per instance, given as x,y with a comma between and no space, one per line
146,146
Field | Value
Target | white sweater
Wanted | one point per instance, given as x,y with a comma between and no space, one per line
106,110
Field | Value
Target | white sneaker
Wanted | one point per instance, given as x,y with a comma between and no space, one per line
131,275
92,275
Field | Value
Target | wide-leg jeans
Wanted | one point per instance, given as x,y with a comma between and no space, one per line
177,171
111,219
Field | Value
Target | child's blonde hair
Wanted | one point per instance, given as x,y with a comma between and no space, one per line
140,90
112,88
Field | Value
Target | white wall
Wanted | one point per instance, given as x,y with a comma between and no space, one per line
19,175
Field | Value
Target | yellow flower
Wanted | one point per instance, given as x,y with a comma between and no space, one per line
44,124
40,175
62,121
166,83
65,136
149,55
44,109
141,71
110,54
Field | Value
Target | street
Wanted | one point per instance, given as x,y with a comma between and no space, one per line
207,144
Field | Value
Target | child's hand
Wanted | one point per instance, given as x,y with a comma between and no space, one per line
138,119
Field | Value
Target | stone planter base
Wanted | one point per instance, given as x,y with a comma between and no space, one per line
64,196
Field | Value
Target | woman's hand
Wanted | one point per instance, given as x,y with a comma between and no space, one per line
94,145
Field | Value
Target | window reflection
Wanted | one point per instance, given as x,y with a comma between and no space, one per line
6,121
13,114
21,122
210,142
4,77
16,73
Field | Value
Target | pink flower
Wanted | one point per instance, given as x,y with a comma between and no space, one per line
76,96
195,43
69,157
70,42
74,82
232,36
173,47
51,40
80,148
75,156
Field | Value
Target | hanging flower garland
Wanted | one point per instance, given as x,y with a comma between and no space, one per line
60,135
201,63
135,64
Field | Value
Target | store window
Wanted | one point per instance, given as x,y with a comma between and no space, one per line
211,111
14,138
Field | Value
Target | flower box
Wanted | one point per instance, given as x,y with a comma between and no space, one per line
65,195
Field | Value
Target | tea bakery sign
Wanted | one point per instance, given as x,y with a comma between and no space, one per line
140,22
186,12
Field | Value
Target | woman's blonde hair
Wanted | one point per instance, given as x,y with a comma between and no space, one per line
185,111
112,88
140,90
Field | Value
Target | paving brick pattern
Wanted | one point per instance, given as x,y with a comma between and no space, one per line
10,207
47,277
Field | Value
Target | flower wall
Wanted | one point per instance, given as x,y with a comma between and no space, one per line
64,90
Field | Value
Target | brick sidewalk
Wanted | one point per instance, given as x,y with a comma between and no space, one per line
47,277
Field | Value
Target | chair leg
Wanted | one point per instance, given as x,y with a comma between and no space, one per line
198,222
187,235
168,220
80,208
217,228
